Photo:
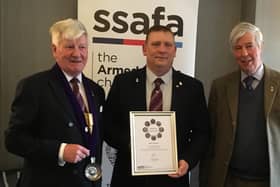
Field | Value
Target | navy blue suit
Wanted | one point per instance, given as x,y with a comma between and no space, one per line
128,93
44,115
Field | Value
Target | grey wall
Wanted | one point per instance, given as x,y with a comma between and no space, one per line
216,18
25,45
215,21
267,18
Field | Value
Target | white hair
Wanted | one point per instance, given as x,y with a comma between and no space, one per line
241,29
66,29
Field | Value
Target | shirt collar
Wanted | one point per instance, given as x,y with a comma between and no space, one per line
69,77
151,76
257,75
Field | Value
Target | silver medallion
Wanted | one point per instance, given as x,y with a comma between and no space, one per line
93,170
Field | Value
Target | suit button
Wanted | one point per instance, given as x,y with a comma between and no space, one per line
70,124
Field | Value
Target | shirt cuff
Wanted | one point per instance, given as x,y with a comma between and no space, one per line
61,162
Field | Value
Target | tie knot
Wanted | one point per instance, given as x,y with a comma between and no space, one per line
248,82
74,80
75,85
158,82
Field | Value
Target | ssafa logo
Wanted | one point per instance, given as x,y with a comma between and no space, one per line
117,22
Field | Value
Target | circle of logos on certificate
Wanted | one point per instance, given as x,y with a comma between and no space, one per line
153,129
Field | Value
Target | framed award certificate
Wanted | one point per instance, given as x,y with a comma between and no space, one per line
153,142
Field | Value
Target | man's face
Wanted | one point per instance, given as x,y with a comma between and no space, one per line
160,51
247,53
71,55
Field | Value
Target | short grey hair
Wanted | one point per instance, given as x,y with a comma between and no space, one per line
67,29
241,29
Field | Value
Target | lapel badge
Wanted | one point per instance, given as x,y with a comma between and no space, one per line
86,129
101,108
179,84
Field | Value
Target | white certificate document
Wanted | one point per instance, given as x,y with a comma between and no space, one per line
153,143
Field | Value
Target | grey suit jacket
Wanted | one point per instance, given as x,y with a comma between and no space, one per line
223,105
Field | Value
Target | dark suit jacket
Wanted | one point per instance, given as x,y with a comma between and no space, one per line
128,93
223,108
44,115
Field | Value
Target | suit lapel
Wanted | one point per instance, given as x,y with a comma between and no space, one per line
176,84
139,91
91,99
57,85
271,85
232,94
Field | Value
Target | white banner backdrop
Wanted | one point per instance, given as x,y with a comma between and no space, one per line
117,30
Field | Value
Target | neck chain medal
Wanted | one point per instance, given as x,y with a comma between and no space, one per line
92,170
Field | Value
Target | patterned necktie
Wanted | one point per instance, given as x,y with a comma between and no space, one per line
77,93
248,82
156,97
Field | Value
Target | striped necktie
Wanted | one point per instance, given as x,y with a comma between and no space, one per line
156,96
248,82
77,93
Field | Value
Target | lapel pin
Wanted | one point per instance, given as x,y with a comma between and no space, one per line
179,84
271,89
101,108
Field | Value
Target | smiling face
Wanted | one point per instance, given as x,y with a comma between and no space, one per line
160,51
247,53
71,55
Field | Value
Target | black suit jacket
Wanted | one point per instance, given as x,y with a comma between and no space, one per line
128,93
44,115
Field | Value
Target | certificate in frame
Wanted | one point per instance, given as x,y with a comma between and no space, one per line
153,143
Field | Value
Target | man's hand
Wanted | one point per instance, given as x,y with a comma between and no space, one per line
74,153
182,169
